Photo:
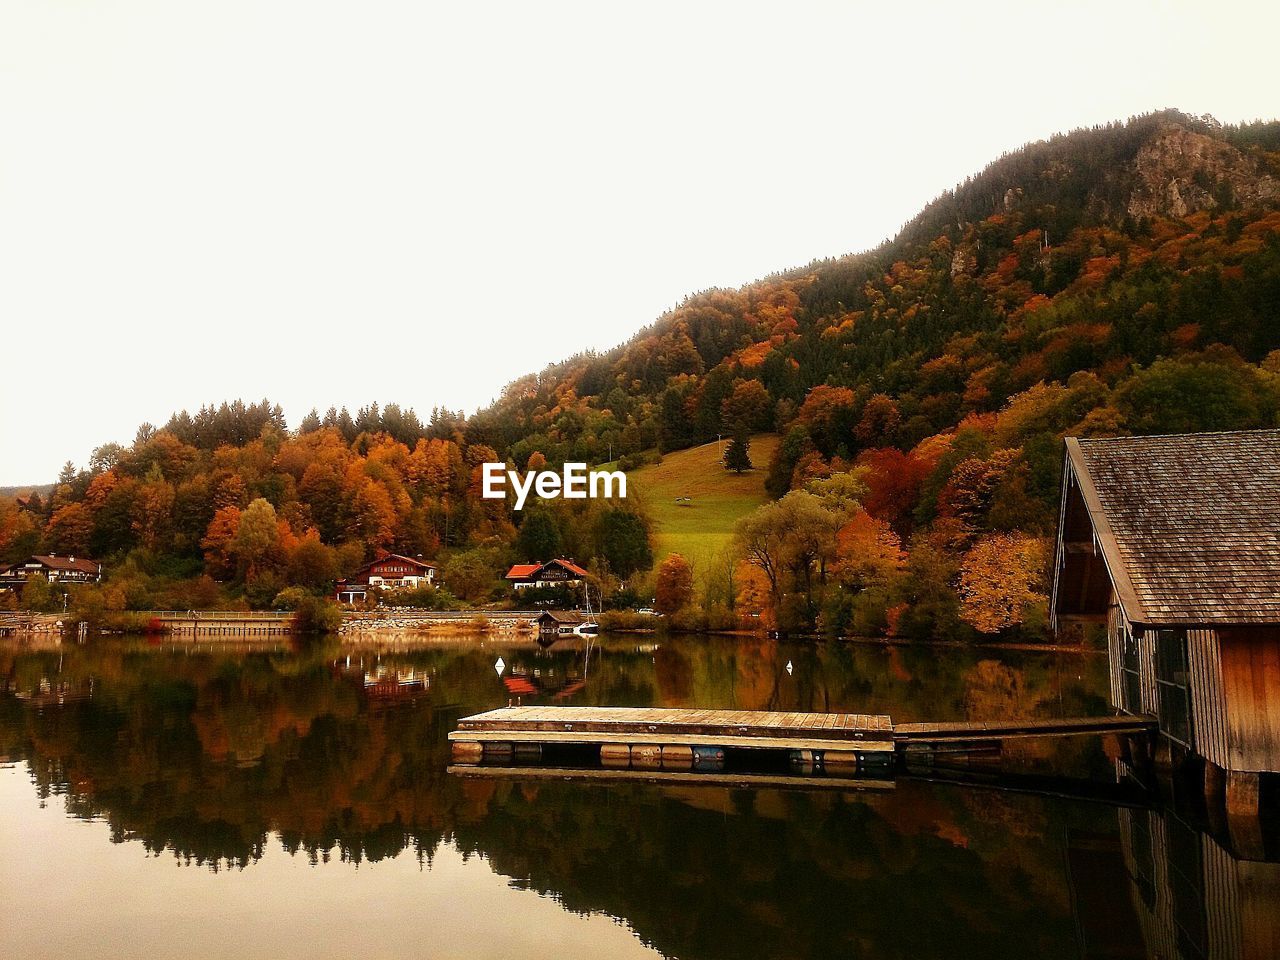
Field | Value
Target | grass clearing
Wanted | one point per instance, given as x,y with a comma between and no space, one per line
700,527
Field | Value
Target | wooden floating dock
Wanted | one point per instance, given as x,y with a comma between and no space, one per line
651,737
750,729
977,731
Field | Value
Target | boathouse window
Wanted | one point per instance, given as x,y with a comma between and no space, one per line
1130,671
1173,684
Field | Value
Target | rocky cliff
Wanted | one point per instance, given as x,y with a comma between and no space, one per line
1179,172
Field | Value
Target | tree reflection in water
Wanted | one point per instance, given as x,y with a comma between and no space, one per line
340,753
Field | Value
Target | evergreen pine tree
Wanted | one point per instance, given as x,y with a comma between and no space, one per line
737,456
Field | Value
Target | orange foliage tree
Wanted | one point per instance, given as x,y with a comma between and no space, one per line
868,552
70,529
674,587
754,600
749,407
218,555
1000,577
893,482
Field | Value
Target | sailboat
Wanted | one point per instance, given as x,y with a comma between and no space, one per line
588,627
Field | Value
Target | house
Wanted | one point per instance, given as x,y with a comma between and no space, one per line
1173,542
553,573
54,568
390,571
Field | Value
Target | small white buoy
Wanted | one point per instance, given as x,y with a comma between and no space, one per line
500,666
790,669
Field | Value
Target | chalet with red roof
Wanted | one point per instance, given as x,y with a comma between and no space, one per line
55,569
553,573
391,571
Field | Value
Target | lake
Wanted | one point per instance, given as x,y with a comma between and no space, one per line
172,800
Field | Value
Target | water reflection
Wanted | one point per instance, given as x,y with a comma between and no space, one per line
224,757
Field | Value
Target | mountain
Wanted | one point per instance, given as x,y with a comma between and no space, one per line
25,491
1100,248
1123,279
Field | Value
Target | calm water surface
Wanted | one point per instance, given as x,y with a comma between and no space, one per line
178,801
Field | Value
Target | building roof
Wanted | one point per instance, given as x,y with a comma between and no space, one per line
571,567
564,616
420,564
525,571
522,571
416,561
79,564
1189,525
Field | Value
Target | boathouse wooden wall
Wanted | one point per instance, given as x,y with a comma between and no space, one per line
1250,659
1208,703
1212,712
1115,621
1147,673
1118,628
1234,673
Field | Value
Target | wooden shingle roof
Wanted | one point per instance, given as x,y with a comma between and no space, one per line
1190,521
564,616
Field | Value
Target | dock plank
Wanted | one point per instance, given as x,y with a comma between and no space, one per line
563,724
959,730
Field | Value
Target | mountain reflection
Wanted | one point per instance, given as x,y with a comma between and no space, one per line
218,756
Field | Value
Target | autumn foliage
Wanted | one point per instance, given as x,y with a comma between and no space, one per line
999,579
674,587
921,391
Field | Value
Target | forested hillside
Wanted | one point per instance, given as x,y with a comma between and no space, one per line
1117,280
1123,279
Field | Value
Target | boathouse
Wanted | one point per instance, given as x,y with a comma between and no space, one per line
560,623
1173,542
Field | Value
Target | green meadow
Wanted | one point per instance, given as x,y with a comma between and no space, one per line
695,502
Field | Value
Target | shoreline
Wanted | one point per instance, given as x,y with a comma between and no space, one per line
507,625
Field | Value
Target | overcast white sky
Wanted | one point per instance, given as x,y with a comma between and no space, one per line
339,202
